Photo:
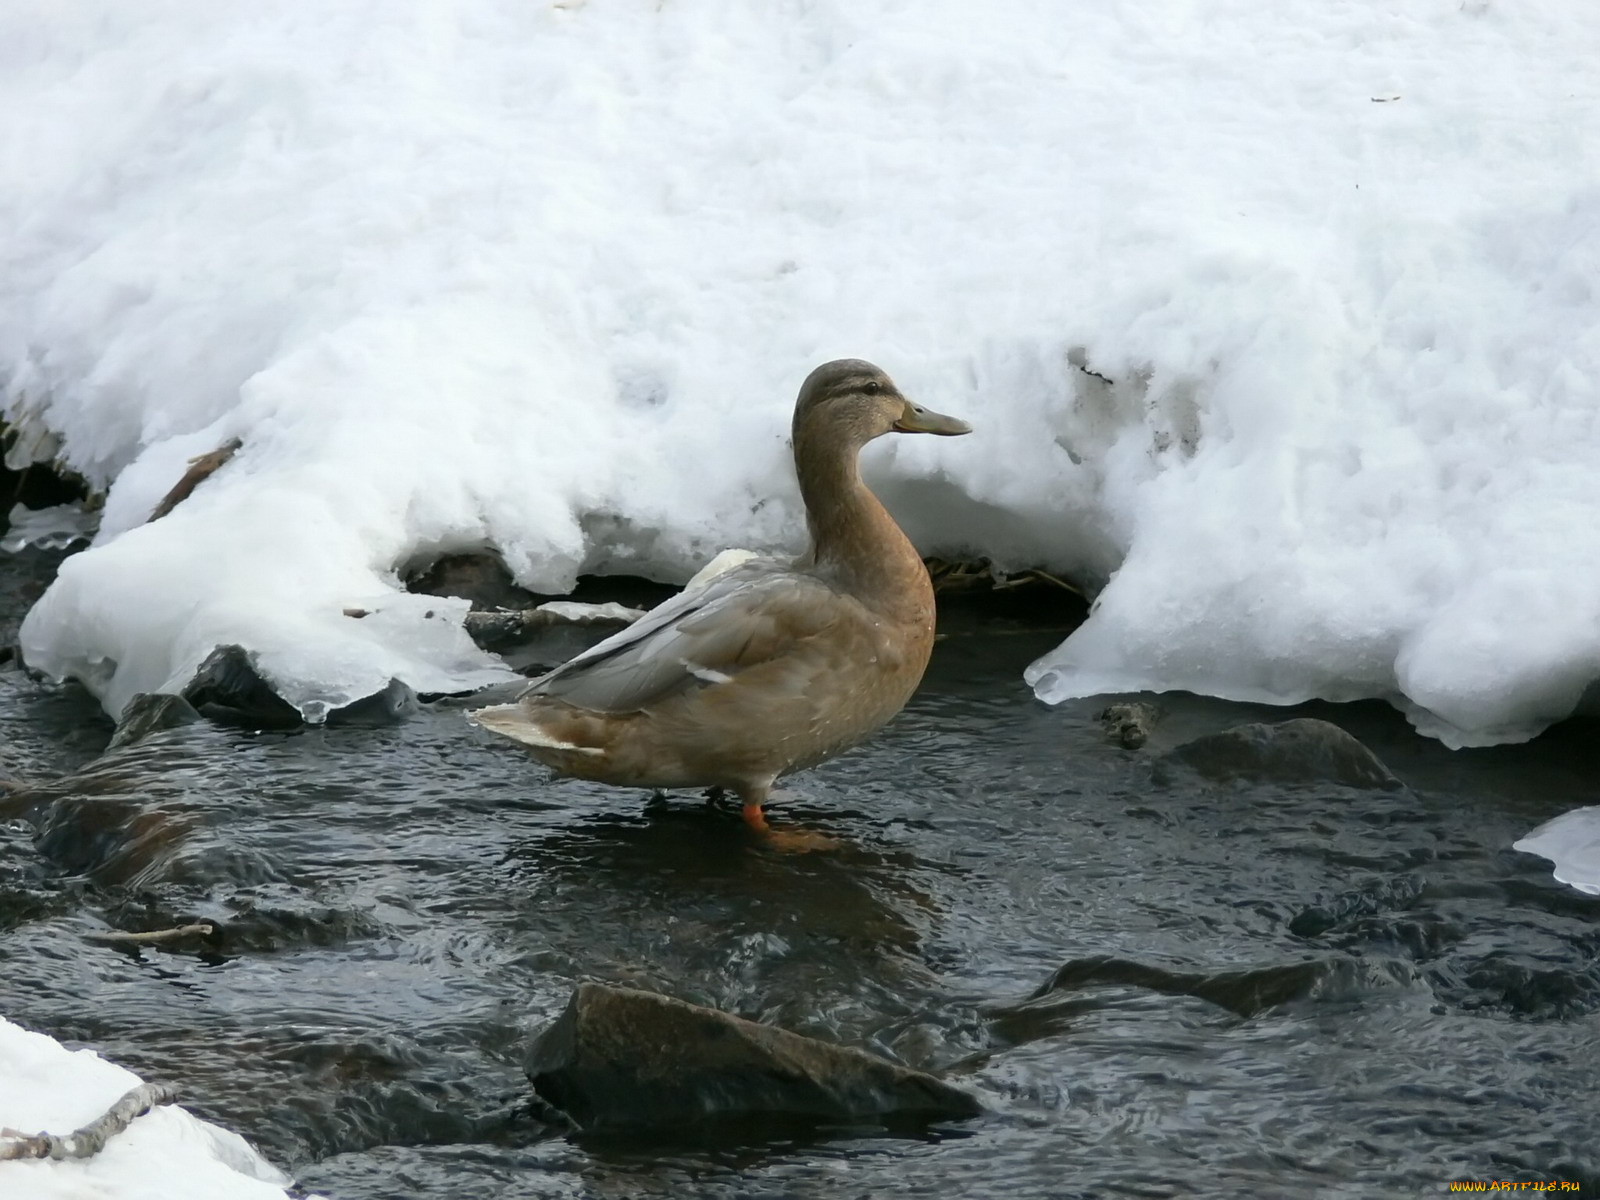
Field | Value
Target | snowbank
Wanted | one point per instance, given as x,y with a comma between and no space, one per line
1275,320
164,1155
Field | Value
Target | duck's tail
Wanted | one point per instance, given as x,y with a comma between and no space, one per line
517,723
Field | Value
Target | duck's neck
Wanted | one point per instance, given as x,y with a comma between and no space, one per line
853,537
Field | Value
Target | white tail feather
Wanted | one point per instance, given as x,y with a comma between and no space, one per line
512,721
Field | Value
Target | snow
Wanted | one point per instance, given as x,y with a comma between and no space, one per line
1572,842
545,278
167,1154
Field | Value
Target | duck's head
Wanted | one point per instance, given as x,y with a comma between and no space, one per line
852,402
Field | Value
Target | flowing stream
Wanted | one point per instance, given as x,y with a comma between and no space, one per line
1263,990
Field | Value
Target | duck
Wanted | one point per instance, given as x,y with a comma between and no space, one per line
770,666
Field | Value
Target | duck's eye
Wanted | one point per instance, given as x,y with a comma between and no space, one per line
872,387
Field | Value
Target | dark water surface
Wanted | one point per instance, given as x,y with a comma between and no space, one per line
400,908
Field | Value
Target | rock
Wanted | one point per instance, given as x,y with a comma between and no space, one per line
394,703
1246,991
227,688
148,712
624,1059
114,840
496,630
481,578
1129,725
1304,750
1376,898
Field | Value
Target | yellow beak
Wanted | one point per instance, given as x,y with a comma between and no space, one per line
916,419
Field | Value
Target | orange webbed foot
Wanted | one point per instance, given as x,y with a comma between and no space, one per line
787,841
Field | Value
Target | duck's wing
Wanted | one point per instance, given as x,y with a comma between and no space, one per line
752,614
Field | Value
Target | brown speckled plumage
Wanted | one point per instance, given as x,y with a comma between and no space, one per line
772,666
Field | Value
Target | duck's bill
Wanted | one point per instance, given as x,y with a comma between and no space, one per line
917,419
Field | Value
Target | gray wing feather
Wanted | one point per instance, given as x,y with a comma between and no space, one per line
695,639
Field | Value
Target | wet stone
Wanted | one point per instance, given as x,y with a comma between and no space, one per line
1129,725
111,839
482,579
1539,992
395,702
1245,991
618,1058
228,689
148,712
136,817
1302,751
275,918
1378,896
495,631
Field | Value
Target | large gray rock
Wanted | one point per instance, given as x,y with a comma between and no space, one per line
619,1058
1304,750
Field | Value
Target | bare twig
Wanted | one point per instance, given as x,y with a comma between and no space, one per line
201,468
960,576
91,1139
153,937
1058,582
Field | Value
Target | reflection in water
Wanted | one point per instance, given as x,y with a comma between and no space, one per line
686,900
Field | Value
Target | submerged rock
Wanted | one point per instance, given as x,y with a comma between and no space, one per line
1376,898
1303,750
148,712
1245,991
112,839
619,1058
1129,725
394,703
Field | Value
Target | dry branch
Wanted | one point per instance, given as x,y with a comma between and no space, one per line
91,1139
153,937
201,468
981,576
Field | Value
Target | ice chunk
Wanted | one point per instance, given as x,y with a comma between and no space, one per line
53,528
1572,843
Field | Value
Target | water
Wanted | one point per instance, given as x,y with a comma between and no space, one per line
399,908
